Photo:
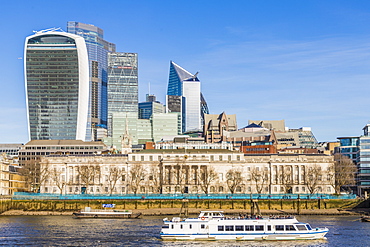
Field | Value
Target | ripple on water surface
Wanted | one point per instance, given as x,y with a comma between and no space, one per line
66,231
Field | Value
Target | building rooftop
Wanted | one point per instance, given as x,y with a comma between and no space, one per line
62,142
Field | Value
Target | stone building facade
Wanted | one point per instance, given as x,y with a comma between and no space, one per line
188,171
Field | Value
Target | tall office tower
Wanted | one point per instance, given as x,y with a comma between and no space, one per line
184,96
122,84
97,49
57,85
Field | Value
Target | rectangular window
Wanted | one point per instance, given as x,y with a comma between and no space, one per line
229,228
249,228
202,226
239,228
190,226
279,228
268,228
289,228
259,228
220,228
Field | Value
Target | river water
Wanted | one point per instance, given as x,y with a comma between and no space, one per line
65,231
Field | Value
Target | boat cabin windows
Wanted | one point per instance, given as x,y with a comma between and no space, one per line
202,226
220,228
239,228
308,227
229,228
268,228
190,226
249,228
171,226
259,228
301,227
165,226
279,227
289,228
181,226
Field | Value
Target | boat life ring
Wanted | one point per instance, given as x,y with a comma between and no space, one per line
202,218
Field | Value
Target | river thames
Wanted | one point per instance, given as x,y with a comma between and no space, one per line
66,231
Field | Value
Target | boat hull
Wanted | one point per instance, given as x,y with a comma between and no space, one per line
117,215
246,237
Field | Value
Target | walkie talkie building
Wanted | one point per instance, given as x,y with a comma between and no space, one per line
57,85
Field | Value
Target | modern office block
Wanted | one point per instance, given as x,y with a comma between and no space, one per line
56,72
184,96
164,124
150,106
122,82
97,49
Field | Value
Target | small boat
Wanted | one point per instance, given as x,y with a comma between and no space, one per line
98,213
213,225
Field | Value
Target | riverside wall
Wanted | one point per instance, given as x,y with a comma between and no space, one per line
293,206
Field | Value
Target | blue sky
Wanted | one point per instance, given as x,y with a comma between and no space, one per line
307,62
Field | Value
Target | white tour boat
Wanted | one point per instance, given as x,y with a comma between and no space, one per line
213,225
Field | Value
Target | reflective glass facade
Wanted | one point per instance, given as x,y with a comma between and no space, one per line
122,82
184,96
53,74
97,49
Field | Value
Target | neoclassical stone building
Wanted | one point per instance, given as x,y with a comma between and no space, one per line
187,171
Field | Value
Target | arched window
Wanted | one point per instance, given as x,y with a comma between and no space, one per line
212,189
238,189
220,189
142,189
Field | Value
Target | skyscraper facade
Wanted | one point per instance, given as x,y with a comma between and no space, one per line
97,49
57,85
122,84
184,96
151,106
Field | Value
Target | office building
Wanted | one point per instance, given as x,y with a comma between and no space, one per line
184,96
122,82
146,109
97,49
57,85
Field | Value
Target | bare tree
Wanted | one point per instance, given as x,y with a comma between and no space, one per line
56,175
114,174
88,175
260,178
313,177
206,177
285,176
233,179
342,172
35,174
180,177
137,175
155,179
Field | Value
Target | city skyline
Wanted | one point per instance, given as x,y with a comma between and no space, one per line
305,62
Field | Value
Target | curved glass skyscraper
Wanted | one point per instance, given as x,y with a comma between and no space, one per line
57,85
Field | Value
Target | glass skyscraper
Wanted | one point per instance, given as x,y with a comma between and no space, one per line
122,82
57,85
184,96
97,49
